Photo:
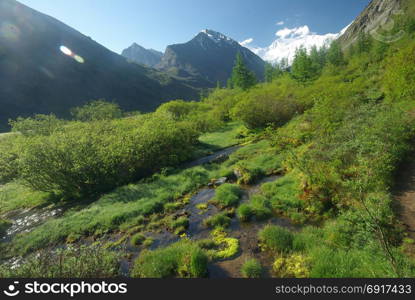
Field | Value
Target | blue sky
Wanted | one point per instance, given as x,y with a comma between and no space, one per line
155,24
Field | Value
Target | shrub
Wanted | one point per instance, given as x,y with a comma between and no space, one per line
218,220
88,159
182,259
73,262
266,106
275,238
227,195
96,111
251,269
37,125
137,239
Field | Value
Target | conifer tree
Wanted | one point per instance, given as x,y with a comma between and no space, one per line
242,77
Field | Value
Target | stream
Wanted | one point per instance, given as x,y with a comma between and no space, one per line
246,233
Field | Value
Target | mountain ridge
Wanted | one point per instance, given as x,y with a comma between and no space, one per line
48,81
209,56
139,54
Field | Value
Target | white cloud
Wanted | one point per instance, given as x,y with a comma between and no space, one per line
290,39
246,42
280,23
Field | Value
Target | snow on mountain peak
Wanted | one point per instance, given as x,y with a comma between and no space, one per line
217,36
289,40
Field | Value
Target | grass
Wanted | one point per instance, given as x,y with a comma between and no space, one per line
258,207
251,268
79,262
218,220
227,195
228,136
137,239
283,195
14,195
183,259
276,239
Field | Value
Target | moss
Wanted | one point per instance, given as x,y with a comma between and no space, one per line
292,266
226,247
202,206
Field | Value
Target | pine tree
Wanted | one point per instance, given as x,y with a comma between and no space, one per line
303,69
335,54
242,77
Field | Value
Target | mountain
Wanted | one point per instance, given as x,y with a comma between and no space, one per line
377,15
289,40
209,57
138,54
46,66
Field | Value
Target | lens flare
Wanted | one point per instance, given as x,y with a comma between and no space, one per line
9,31
65,50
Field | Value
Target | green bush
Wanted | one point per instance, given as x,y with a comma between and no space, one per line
251,269
37,125
266,106
276,239
227,195
182,259
97,110
86,159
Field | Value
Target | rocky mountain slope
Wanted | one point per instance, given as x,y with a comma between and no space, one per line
210,57
138,54
378,15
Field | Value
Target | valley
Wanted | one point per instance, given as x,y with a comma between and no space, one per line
264,171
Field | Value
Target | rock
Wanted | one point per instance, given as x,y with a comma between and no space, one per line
221,181
238,173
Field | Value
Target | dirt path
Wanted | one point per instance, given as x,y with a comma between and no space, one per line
404,193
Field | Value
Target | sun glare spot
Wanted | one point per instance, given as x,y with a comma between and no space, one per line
65,50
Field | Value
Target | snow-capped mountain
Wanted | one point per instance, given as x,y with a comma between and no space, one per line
289,40
209,56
